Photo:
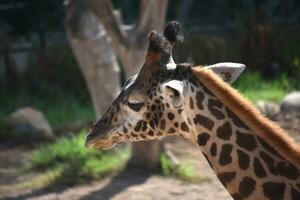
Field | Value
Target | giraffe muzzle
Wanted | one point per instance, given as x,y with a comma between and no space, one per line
98,142
99,138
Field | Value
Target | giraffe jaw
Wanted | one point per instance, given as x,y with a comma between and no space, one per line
102,139
99,143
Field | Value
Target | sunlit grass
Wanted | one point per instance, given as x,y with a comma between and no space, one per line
77,162
72,162
254,87
39,180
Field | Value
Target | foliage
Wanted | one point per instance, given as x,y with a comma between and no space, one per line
203,49
27,16
257,47
59,107
289,39
76,162
59,92
256,87
129,9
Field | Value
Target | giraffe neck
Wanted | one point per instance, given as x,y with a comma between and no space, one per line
247,166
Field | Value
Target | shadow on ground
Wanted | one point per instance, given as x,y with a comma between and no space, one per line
128,177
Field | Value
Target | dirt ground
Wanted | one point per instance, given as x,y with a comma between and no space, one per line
133,184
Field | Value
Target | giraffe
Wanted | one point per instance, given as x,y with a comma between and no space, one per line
251,156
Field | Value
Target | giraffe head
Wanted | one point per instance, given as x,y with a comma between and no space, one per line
152,104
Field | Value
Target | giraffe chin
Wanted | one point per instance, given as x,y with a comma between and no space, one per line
99,144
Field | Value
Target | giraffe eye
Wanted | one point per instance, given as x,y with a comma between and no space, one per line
136,106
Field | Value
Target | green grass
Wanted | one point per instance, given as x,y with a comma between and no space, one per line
56,88
59,107
67,111
68,161
254,87
76,162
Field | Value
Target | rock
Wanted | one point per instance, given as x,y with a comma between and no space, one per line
29,124
268,108
290,105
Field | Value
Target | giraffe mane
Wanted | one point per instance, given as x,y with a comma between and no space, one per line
272,133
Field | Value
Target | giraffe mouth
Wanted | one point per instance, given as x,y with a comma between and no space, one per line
100,138
99,143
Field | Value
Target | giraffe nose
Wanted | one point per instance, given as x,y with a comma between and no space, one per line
95,140
99,142
89,142
96,136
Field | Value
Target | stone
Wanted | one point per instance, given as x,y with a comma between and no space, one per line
29,124
291,104
268,108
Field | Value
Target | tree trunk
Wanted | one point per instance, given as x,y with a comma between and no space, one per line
97,36
94,54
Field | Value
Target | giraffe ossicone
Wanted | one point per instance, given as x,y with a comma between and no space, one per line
251,156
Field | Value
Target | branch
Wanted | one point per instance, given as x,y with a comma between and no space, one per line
103,10
151,17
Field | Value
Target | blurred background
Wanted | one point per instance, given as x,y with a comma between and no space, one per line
63,62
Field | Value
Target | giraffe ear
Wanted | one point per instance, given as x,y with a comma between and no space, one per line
174,91
229,72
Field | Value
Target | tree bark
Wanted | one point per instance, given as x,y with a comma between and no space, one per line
130,44
98,36
94,54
